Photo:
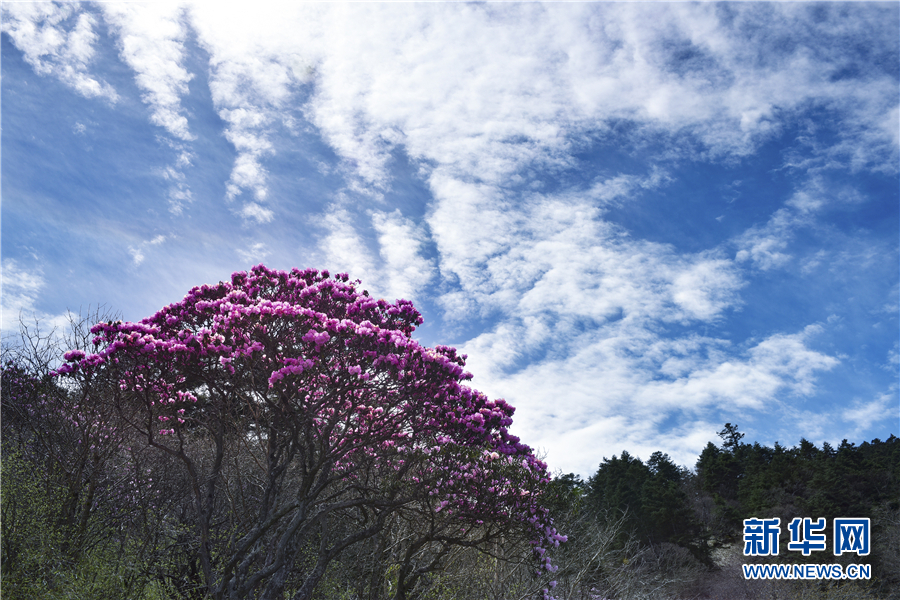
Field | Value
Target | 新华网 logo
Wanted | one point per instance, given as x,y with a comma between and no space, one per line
851,536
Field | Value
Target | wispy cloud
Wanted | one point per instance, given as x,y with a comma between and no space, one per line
21,289
179,193
555,70
609,385
254,212
866,414
57,40
137,252
385,249
345,249
151,40
254,69
766,247
557,254
254,254
401,247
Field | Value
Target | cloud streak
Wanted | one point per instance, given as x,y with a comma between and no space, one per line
151,40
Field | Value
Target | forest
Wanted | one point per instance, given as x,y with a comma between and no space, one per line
655,529
282,435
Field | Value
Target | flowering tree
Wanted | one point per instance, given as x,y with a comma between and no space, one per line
304,418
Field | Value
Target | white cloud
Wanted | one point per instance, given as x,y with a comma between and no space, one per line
865,415
621,382
765,247
780,363
20,293
254,212
585,448
57,40
704,289
483,92
893,358
580,345
421,77
346,251
254,254
388,257
556,254
248,173
137,252
179,195
480,95
478,98
151,40
401,247
254,68
20,289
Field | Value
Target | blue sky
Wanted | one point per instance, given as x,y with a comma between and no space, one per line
640,221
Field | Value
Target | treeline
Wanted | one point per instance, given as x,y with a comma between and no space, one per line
670,532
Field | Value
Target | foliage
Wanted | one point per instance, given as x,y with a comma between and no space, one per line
650,499
801,481
37,559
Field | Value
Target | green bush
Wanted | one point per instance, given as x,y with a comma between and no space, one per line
38,561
